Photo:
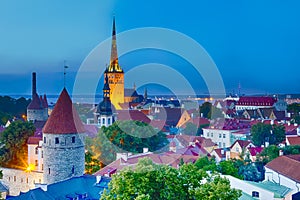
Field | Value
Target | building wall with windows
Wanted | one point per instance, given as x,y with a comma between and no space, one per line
18,180
218,136
63,156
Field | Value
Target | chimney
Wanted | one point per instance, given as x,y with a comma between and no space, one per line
33,84
124,156
145,150
280,153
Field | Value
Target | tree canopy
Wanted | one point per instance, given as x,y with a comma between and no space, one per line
294,109
209,111
10,107
14,151
155,182
125,136
262,133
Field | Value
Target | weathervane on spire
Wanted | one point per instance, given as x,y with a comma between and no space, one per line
65,72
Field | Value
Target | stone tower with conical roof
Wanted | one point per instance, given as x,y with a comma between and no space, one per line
115,74
104,115
63,142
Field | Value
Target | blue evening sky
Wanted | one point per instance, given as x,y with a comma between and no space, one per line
253,42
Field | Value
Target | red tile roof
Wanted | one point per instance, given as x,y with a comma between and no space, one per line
256,101
64,118
219,152
287,166
35,103
34,140
132,115
255,150
294,140
242,143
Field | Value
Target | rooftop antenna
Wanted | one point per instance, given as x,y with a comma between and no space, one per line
65,68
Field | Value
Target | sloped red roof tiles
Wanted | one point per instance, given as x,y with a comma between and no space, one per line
64,118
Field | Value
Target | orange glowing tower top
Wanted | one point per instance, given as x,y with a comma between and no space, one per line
115,74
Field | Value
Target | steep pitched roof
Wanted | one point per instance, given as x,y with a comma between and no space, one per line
35,103
242,143
286,165
64,118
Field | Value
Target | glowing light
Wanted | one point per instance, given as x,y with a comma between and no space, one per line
211,98
30,168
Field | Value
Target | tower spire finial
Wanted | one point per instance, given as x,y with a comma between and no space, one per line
114,62
65,72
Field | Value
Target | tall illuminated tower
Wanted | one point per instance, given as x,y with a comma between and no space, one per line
115,74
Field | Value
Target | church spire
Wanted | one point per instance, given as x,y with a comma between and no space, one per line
114,62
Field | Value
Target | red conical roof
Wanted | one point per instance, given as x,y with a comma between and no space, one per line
64,118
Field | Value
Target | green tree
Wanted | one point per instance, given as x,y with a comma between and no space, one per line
92,164
218,188
227,167
294,109
206,164
160,182
125,136
262,133
14,151
289,150
205,109
268,154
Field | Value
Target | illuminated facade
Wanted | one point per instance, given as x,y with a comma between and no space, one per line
115,74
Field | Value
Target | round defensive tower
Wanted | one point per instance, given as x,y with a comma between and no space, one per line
63,142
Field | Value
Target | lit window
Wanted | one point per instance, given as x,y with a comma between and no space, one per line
56,140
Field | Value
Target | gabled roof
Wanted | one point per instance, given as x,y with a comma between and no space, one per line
170,115
128,92
293,140
255,150
64,118
219,152
243,143
35,103
135,115
287,166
